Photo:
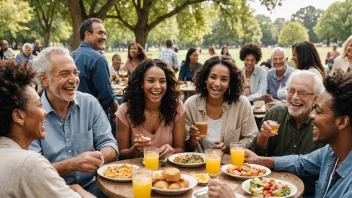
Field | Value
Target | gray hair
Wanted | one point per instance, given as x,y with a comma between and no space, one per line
344,46
42,65
26,45
279,49
302,74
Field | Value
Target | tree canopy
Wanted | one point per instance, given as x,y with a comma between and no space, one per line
293,33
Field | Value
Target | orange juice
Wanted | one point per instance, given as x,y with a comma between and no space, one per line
142,187
237,156
213,165
151,161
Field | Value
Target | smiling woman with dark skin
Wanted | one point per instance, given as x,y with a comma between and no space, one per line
151,108
220,103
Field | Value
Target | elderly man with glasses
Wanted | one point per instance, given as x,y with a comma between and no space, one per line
295,134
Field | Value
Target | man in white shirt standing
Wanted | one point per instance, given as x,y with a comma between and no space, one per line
170,56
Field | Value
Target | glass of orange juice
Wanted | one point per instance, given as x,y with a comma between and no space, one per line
212,162
151,158
274,126
237,150
142,182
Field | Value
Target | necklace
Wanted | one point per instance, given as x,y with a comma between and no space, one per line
150,116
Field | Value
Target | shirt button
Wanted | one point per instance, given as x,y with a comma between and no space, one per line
69,151
61,120
67,140
294,146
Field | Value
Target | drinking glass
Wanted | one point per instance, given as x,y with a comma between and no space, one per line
212,162
274,125
237,150
151,158
142,182
202,128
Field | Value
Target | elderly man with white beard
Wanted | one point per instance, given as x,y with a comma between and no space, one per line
78,134
294,135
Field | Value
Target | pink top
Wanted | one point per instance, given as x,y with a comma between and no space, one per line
129,66
164,133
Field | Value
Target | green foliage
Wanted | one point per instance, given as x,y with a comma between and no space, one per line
336,23
308,17
13,13
269,30
293,32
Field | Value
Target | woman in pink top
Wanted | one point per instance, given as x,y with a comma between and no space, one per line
136,55
151,108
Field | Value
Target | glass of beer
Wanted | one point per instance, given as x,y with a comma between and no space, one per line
212,162
202,128
151,158
142,182
237,150
274,125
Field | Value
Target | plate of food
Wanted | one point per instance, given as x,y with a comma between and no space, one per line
117,172
188,159
170,181
247,171
203,193
265,187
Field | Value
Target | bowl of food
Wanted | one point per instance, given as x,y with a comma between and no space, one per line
117,172
269,187
188,159
246,171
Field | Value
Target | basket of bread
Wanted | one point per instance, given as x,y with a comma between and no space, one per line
170,181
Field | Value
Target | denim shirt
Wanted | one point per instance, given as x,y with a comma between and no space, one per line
274,83
23,58
258,82
85,128
94,74
322,162
185,72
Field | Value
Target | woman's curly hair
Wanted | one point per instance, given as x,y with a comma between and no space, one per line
134,94
235,84
251,48
141,53
13,82
340,87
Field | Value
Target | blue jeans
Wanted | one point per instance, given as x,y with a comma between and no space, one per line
94,189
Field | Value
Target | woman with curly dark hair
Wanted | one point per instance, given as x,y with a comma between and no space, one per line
255,77
22,121
136,54
151,108
306,57
190,66
221,104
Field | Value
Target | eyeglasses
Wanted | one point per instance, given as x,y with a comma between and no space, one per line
301,93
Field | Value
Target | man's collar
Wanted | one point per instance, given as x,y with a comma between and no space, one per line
86,44
47,106
290,117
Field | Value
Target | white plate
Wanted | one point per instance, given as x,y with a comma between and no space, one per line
267,171
293,188
192,183
103,168
172,157
204,192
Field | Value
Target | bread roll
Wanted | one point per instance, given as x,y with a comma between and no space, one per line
184,182
172,174
157,176
161,185
176,186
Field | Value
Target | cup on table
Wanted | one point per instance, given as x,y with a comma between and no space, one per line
151,158
142,182
202,128
189,83
237,150
274,125
212,162
258,104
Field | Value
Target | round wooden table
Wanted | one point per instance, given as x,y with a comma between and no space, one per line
117,189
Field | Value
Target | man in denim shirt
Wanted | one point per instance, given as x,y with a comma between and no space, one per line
78,134
93,66
332,124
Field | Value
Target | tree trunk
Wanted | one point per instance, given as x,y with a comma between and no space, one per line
77,19
141,36
46,38
328,42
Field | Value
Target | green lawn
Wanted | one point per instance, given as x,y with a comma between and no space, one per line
154,53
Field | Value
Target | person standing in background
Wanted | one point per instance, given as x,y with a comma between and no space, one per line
6,53
170,56
37,47
94,68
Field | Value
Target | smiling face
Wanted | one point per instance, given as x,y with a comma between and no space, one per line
64,80
295,58
133,51
297,105
154,85
116,62
218,82
323,120
193,58
27,51
348,49
279,61
98,37
250,62
34,115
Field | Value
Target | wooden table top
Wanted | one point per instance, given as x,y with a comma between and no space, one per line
117,189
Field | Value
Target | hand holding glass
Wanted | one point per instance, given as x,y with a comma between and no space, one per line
202,128
274,126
